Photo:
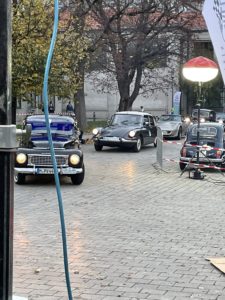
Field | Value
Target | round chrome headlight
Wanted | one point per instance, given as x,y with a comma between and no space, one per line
132,133
95,131
74,159
21,158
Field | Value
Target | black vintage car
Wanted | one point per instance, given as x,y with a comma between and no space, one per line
33,154
206,115
211,145
127,129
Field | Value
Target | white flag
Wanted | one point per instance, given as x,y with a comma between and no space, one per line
176,102
214,14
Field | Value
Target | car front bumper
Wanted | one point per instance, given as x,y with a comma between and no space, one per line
170,133
204,160
43,170
115,141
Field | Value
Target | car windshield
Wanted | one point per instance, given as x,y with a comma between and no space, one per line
204,131
39,128
203,114
208,135
120,119
166,118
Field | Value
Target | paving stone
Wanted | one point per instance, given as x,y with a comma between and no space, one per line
133,231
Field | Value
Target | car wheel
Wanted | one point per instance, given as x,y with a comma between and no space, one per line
98,147
137,146
179,134
182,166
155,142
19,178
78,178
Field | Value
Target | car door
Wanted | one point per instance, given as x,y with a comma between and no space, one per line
153,129
149,130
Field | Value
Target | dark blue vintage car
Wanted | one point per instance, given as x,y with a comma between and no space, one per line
33,154
127,129
211,145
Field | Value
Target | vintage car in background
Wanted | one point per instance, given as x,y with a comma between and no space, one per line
33,154
127,129
211,145
174,126
206,115
220,117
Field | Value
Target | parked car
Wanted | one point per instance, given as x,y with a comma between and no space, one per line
211,145
127,129
220,117
174,126
206,115
33,154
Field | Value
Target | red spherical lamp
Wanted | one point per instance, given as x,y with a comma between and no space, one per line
200,69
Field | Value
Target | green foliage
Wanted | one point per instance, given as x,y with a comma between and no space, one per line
32,30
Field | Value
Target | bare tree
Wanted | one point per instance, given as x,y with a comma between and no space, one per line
134,40
76,11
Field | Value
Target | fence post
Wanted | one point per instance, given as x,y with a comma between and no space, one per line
159,152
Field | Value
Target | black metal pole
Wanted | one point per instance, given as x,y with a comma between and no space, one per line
198,133
198,107
6,154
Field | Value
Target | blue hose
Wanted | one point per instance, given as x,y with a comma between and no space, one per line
45,97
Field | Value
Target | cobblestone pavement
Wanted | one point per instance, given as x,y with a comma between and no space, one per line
134,231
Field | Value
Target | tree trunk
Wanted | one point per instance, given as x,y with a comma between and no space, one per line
125,104
80,108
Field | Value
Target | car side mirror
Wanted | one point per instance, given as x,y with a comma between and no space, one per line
146,123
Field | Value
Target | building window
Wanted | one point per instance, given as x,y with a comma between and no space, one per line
202,48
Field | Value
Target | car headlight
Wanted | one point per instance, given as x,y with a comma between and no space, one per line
74,159
95,131
202,120
131,133
21,158
221,121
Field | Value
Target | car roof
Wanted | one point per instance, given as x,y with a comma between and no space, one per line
58,118
141,113
209,124
203,109
175,115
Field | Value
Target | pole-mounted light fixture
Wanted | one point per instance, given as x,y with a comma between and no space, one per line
199,69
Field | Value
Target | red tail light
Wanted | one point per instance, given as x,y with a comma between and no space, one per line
218,153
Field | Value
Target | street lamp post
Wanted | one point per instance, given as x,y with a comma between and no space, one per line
199,69
172,92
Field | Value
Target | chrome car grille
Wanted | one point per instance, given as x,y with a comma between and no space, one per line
45,160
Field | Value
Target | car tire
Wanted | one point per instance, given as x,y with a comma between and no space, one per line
182,166
137,146
77,179
98,147
19,178
179,134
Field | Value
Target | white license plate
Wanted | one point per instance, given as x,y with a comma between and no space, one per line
111,139
45,171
